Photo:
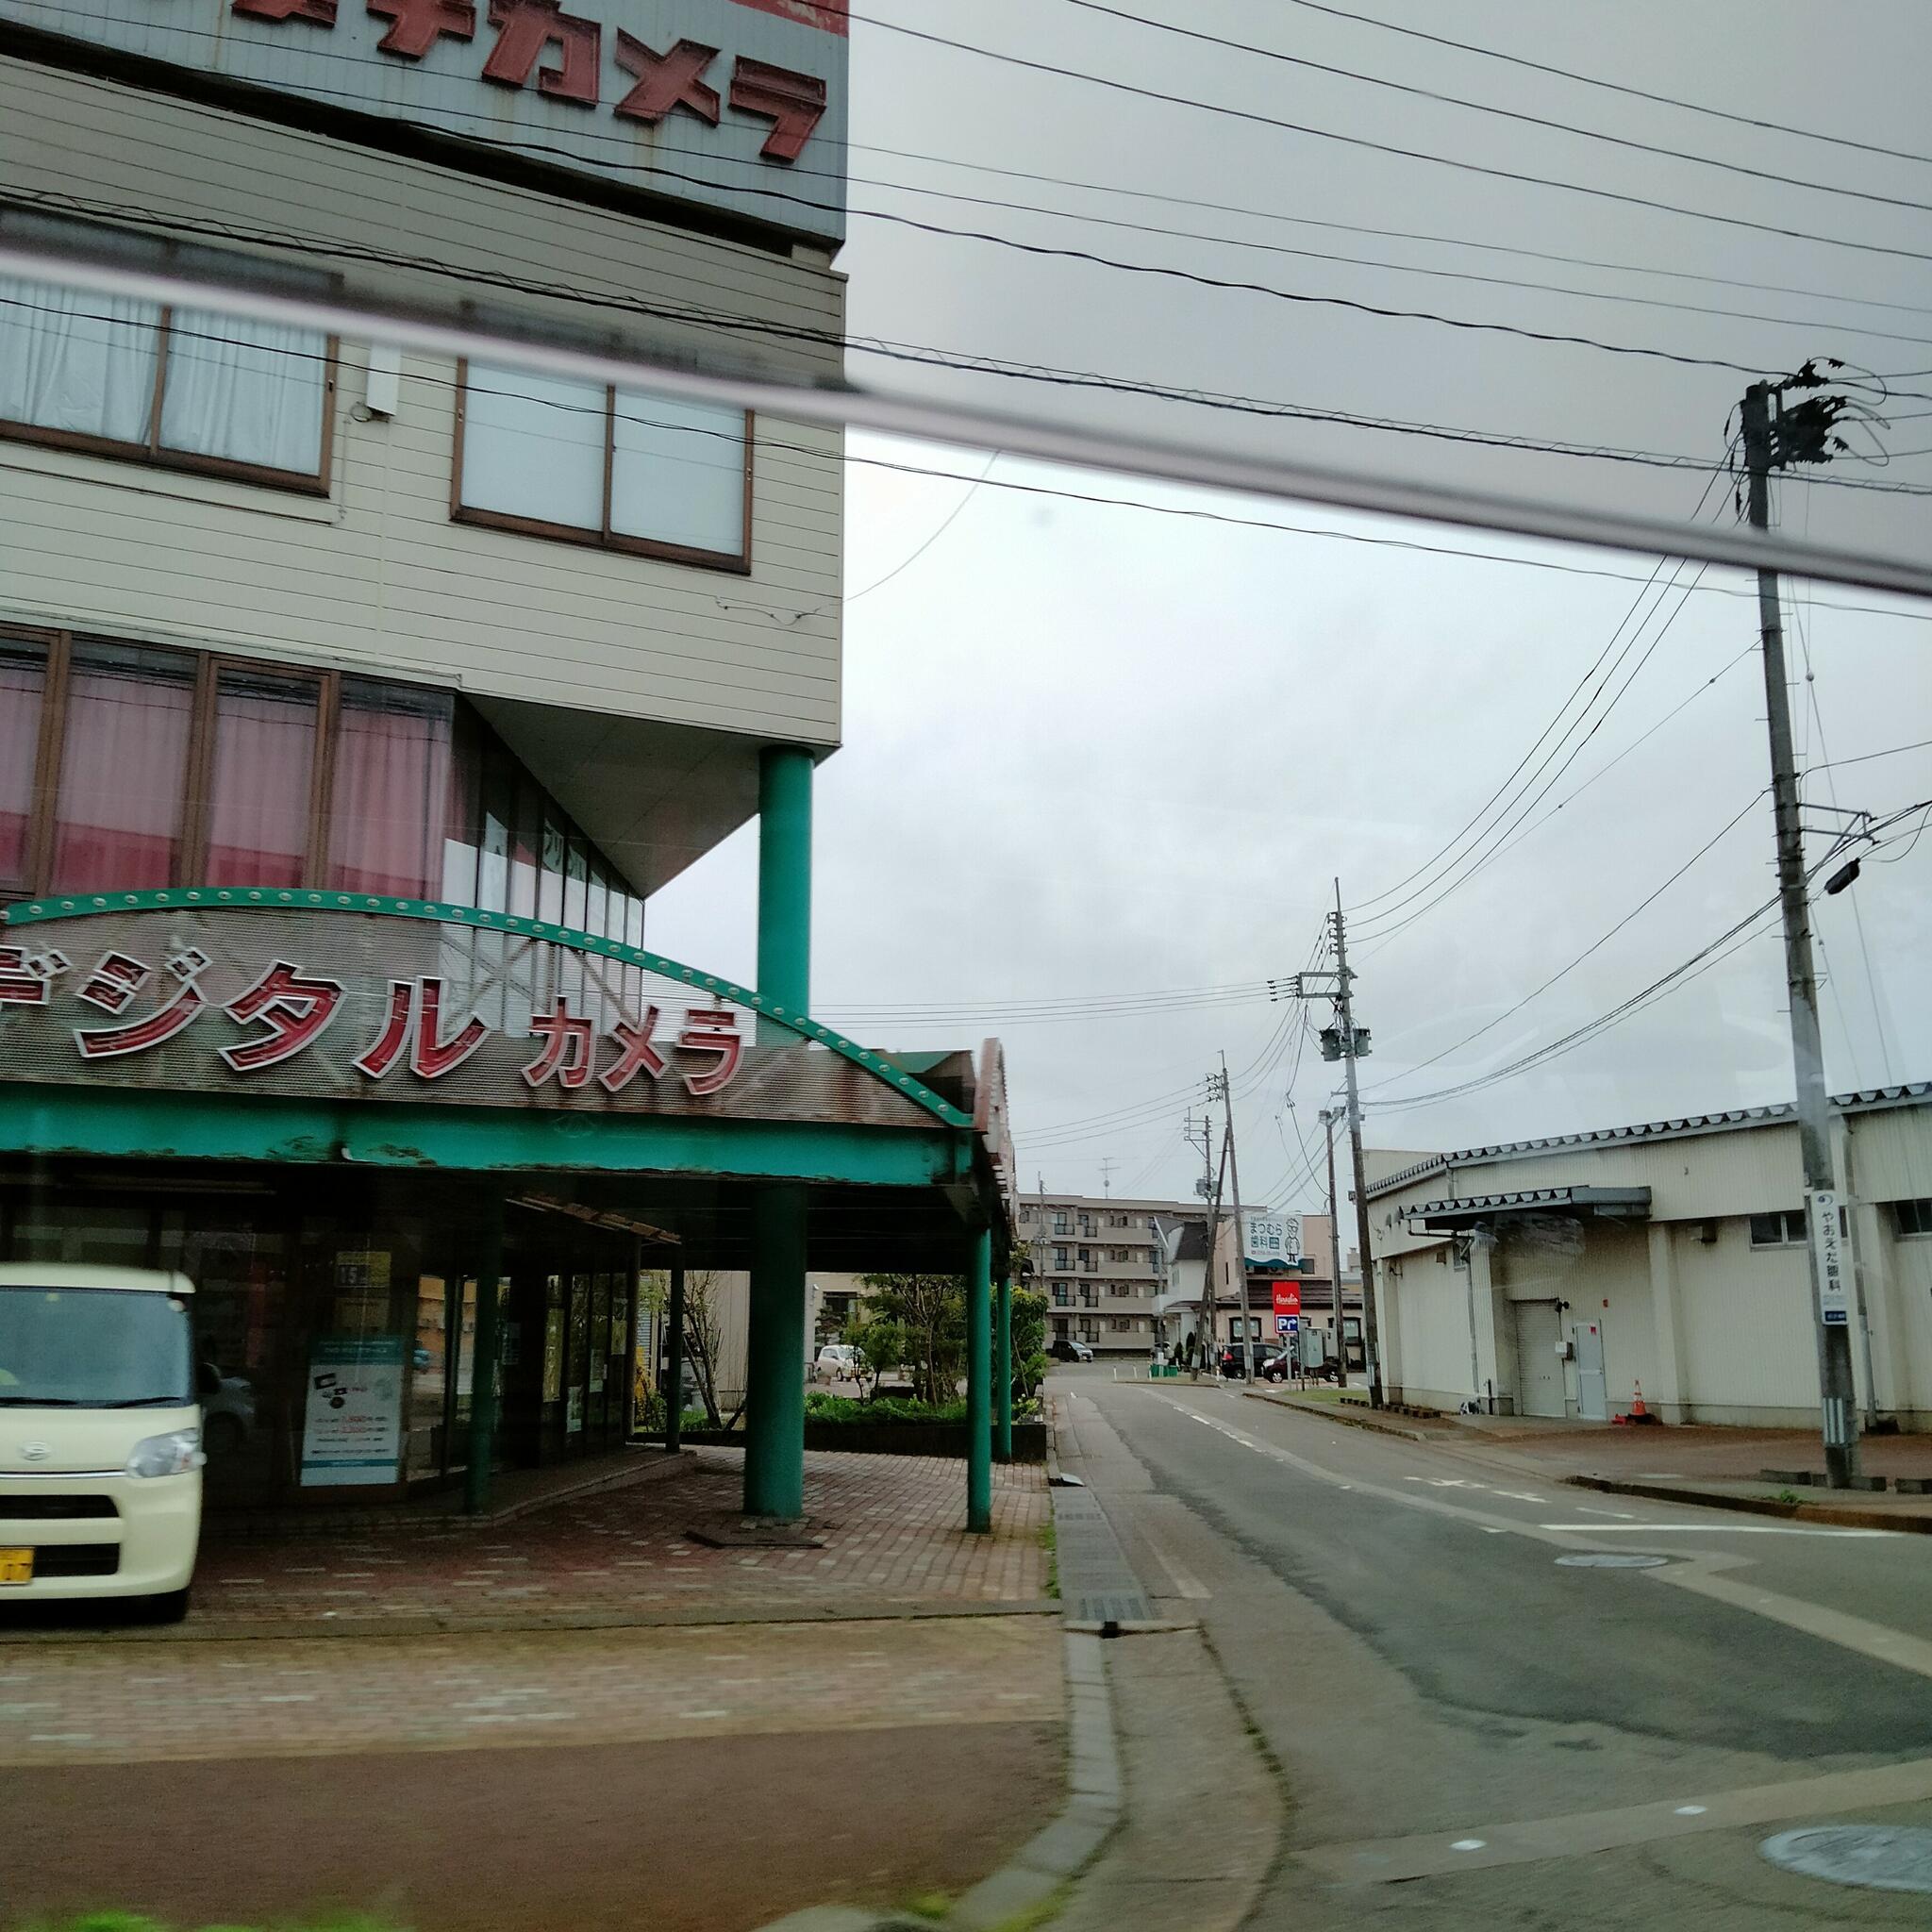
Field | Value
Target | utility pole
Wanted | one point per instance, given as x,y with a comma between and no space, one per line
1107,1165
1329,1116
1774,436
1240,1240
1349,1043
1203,1322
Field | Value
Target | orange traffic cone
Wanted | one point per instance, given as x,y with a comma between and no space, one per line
1636,1408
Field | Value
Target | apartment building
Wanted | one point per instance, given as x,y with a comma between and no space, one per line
1102,1264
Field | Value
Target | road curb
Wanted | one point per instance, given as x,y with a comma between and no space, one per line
1327,1412
258,1629
1837,1514
1025,1886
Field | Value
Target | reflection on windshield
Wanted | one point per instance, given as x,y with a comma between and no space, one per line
93,1348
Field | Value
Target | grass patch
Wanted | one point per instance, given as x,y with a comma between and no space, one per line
1049,1541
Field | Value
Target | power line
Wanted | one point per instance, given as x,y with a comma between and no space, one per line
1427,93
1528,802
1729,940
1597,945
1255,118
1615,87
843,177
1428,865
1866,757
951,517
728,322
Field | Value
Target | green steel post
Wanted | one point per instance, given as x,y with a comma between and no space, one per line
775,1352
1003,1371
978,1384
482,1447
775,1370
783,886
674,1374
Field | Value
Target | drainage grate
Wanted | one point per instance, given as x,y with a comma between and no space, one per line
1885,1857
1095,1577
1611,1560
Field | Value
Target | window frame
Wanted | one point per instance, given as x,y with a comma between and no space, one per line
197,800
1921,1205
1786,1218
156,454
738,563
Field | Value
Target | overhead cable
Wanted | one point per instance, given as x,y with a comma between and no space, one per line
1501,113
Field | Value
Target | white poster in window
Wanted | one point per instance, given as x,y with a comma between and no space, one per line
352,1423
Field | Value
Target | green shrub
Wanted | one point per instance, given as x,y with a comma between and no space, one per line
822,1408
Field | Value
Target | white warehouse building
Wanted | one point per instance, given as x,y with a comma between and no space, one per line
1553,1277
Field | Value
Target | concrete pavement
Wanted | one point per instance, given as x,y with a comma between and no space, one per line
1514,1737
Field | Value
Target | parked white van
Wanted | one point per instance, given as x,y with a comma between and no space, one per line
100,1435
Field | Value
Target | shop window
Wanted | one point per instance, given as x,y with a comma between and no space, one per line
391,785
582,461
260,775
124,767
185,388
526,847
23,700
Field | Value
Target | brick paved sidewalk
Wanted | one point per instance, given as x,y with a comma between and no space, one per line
117,1703
891,1526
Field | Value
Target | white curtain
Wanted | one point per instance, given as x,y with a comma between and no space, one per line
678,474
251,392
533,447
77,361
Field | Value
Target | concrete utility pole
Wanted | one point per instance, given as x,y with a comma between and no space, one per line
1764,420
1241,1250
1372,1350
1329,1116
1204,1323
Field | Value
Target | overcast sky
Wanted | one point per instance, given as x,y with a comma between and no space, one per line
1094,752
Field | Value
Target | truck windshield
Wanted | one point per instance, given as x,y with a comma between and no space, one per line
93,1348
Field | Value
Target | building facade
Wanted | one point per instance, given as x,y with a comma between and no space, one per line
1100,1264
355,701
1557,1277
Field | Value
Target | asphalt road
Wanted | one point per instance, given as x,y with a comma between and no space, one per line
1471,1730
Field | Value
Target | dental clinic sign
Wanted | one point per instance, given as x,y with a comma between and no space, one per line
695,100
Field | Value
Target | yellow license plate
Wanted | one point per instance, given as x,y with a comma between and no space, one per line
16,1566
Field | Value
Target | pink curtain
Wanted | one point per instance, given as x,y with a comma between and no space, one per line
118,818
23,685
264,752
392,789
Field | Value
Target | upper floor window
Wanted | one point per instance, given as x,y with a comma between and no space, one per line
594,464
1784,1229
183,387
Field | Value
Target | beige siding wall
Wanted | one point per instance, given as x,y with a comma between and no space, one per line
377,576
1426,1303
1748,1352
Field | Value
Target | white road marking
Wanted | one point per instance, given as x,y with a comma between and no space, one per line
1708,1528
1621,1515
1187,1584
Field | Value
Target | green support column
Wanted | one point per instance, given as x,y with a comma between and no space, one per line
979,1384
483,1372
775,1370
774,1364
673,1371
1003,1371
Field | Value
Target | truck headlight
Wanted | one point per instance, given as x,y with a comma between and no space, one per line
174,1454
